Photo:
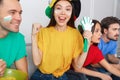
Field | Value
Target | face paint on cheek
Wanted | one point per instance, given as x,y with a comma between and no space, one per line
69,13
57,11
7,18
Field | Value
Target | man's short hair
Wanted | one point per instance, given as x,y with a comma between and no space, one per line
107,21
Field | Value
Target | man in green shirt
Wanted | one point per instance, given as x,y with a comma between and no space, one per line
12,43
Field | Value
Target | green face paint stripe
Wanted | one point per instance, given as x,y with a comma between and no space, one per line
7,18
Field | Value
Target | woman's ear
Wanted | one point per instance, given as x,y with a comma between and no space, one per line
105,31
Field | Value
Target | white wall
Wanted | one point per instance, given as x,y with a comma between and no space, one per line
33,12
103,8
118,9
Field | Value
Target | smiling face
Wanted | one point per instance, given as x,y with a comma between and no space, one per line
10,15
62,12
96,34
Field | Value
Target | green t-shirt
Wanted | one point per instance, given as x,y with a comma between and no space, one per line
12,48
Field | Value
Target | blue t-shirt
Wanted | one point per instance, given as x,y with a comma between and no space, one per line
108,47
12,48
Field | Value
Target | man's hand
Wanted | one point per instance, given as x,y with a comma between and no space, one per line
2,67
116,65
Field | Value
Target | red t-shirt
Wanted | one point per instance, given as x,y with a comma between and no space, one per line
94,55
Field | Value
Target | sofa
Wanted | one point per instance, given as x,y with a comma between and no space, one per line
31,66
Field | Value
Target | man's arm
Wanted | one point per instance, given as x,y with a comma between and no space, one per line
94,73
22,65
113,59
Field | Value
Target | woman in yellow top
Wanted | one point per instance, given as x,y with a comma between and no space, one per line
56,46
